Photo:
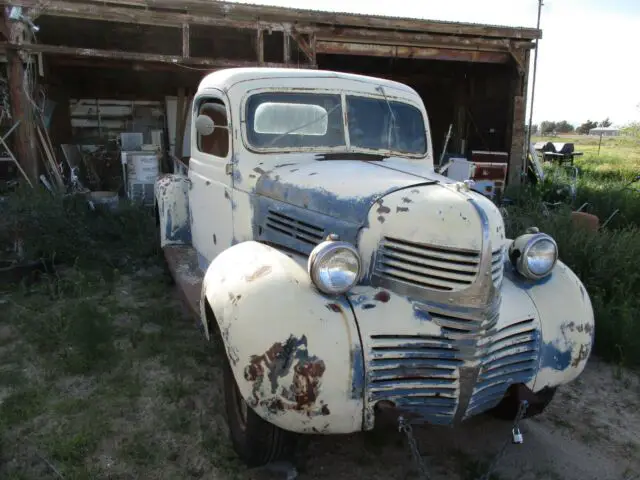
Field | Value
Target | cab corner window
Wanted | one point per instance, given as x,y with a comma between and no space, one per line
212,128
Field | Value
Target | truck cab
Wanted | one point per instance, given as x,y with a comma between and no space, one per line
348,281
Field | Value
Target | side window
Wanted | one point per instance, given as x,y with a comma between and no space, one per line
217,142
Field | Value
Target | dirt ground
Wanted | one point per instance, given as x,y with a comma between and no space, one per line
107,377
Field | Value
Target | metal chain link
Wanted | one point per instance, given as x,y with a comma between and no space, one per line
405,427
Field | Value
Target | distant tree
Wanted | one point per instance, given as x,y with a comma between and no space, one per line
564,127
605,123
586,127
632,129
547,127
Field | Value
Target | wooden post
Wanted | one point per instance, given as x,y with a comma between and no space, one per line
260,46
25,144
186,41
287,47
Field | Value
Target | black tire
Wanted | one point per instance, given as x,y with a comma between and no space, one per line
507,409
256,441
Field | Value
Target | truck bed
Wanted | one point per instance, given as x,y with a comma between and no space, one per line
183,264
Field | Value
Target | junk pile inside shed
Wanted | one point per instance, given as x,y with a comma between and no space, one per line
109,86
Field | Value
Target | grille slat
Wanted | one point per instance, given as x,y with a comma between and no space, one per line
509,357
417,372
432,266
286,225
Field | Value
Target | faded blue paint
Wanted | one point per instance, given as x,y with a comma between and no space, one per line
357,373
357,300
203,263
182,234
421,314
302,189
552,357
307,236
512,274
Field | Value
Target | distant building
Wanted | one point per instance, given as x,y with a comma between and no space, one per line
605,131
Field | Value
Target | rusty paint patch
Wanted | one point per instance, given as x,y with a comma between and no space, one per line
406,200
383,210
275,364
401,209
382,296
313,173
381,219
334,307
259,170
368,306
260,272
582,355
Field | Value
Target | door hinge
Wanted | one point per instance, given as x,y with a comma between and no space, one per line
228,168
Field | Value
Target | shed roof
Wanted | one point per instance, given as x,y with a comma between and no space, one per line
259,11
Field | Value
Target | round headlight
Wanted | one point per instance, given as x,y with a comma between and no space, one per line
334,267
538,255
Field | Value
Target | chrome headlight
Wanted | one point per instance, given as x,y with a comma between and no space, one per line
534,255
334,267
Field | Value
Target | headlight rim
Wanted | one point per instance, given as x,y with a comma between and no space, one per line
320,252
521,263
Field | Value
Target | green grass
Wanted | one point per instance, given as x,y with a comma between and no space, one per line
608,262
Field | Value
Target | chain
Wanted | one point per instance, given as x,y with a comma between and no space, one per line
405,427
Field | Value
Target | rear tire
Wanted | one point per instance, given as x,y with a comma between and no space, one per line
256,441
507,409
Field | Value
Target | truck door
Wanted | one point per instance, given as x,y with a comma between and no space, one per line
210,194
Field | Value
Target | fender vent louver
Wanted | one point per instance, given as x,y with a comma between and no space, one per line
287,225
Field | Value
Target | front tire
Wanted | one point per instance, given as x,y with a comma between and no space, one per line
256,441
507,409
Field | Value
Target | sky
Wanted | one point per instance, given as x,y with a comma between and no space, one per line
588,58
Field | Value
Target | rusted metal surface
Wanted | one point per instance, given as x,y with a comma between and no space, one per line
398,51
290,368
466,327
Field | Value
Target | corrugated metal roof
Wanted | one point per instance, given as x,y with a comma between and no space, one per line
379,17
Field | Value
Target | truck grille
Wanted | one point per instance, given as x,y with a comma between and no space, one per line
509,356
417,372
292,227
432,267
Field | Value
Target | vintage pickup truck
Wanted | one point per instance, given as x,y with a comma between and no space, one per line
348,281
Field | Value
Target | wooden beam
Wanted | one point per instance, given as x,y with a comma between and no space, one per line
25,144
127,14
362,35
253,13
393,51
186,40
137,56
303,45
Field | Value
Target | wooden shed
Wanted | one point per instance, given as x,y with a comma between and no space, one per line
469,75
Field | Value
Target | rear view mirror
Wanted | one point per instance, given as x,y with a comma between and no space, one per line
205,125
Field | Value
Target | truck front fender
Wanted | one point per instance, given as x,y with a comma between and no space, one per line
172,201
566,322
295,353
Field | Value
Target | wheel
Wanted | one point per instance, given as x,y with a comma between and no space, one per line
507,409
256,441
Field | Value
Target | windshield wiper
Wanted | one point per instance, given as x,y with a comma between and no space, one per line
392,125
351,156
304,125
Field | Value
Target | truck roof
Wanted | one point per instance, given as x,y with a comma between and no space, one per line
226,78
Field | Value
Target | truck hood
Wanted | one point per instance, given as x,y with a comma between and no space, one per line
344,189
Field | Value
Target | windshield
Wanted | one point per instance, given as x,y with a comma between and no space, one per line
387,125
288,120
293,120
